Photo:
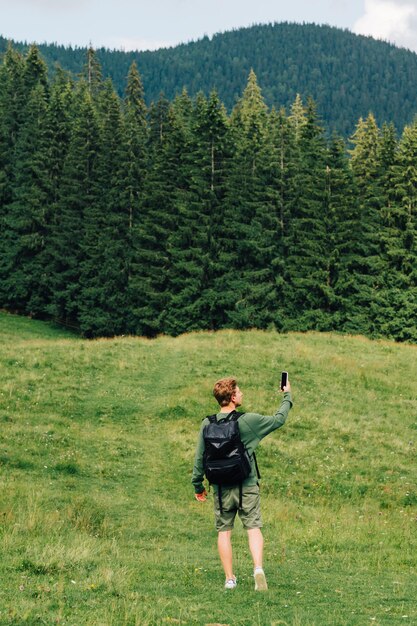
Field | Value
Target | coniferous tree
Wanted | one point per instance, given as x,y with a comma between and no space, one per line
366,163
35,71
59,131
397,301
187,241
12,98
59,126
195,253
344,237
92,72
297,117
250,218
306,288
283,162
104,265
79,193
150,283
182,109
136,143
133,175
387,148
28,214
214,149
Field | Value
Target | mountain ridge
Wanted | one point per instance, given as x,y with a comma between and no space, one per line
348,75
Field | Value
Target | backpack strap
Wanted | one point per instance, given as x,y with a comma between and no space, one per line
219,493
256,465
233,415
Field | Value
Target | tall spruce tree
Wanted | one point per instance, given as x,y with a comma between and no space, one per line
79,194
297,117
59,125
387,148
282,166
195,254
306,290
12,100
35,70
104,264
135,125
366,164
397,301
250,218
214,149
344,238
149,286
182,109
59,131
28,210
133,175
92,72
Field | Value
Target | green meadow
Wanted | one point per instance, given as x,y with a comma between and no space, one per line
98,524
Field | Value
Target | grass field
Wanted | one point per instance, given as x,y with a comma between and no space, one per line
98,524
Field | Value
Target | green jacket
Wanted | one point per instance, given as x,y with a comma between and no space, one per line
253,427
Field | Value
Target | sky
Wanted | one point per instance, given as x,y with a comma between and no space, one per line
152,24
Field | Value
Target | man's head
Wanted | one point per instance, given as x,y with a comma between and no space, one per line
226,391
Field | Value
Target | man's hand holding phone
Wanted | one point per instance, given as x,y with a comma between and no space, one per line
285,383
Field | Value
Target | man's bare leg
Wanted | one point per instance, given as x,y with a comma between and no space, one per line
224,543
256,547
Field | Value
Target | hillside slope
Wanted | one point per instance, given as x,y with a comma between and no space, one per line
98,521
348,75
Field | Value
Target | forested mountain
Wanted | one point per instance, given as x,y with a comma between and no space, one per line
347,75
117,217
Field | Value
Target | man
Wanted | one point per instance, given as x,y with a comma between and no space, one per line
252,427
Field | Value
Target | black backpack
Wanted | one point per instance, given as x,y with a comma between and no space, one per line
225,460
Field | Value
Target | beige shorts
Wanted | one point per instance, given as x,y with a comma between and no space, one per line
250,513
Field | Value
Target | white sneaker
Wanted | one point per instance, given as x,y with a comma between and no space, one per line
260,580
230,583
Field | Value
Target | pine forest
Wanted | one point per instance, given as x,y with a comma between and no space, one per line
122,217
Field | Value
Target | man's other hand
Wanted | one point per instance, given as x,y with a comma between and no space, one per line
201,497
286,388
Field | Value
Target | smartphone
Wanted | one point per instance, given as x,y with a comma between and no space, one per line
284,379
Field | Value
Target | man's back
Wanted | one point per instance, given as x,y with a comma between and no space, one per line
253,428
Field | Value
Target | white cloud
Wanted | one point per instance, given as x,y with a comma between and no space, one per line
391,20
